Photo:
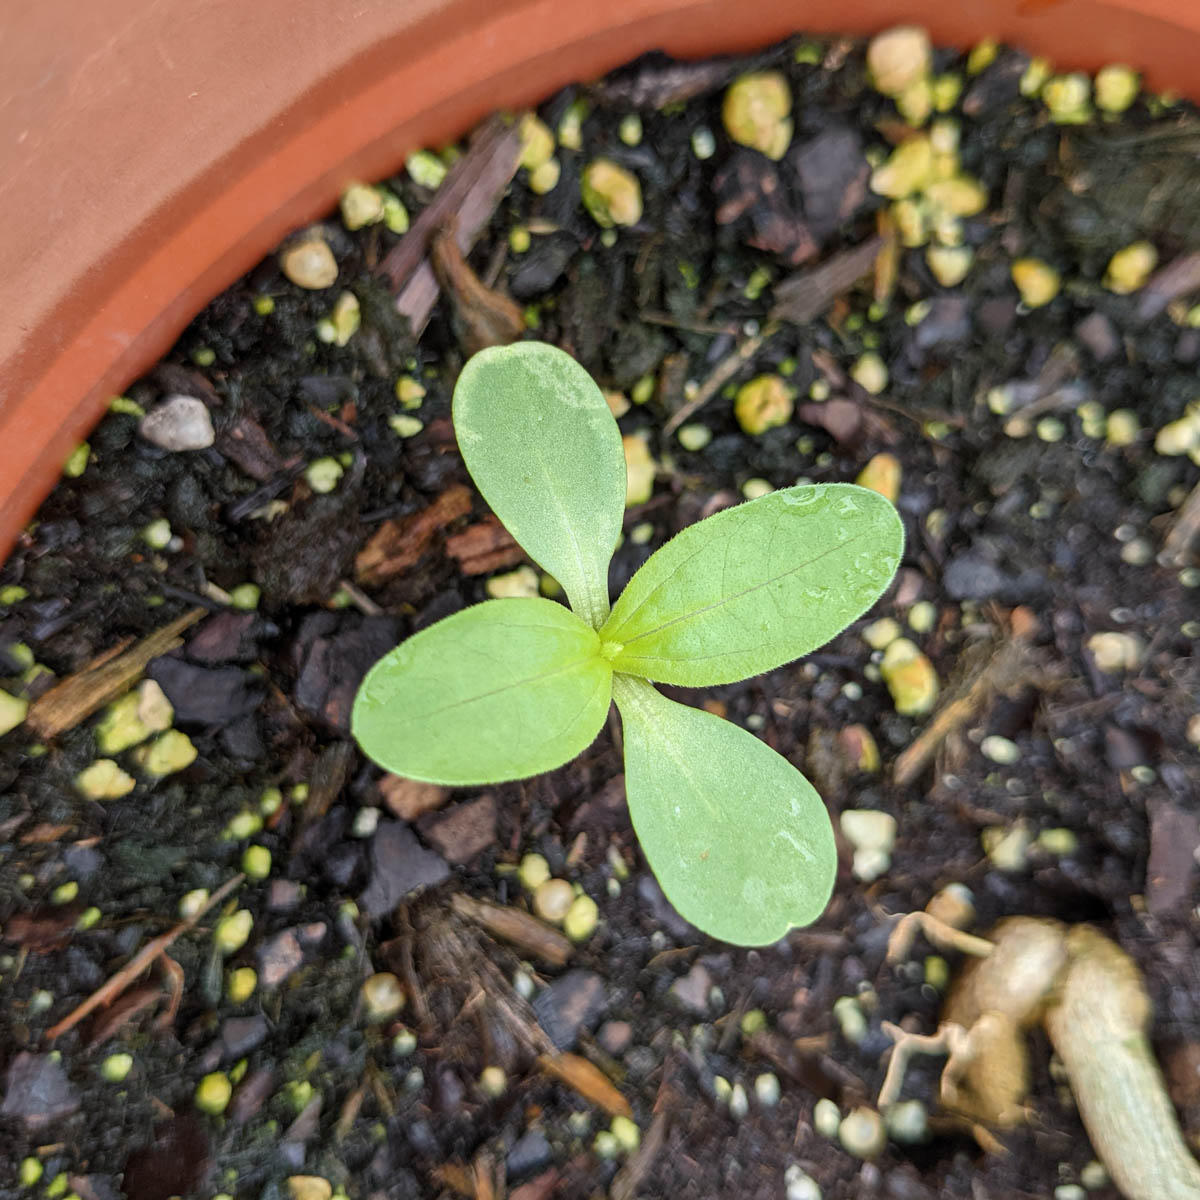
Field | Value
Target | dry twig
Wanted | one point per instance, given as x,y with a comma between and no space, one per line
103,679
139,962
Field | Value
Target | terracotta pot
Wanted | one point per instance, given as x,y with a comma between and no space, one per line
154,152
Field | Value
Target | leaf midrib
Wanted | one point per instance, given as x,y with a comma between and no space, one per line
698,612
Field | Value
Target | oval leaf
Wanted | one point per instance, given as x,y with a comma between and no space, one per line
739,840
755,586
541,444
505,689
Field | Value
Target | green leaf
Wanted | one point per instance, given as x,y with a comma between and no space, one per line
499,691
737,837
755,586
541,444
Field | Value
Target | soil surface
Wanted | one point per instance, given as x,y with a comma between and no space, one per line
1035,521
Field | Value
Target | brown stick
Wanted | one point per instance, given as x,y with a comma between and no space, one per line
803,297
998,673
102,680
527,933
471,190
1184,529
724,371
139,962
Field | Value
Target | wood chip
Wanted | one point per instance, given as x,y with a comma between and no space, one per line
246,443
488,317
397,546
103,679
530,936
587,1081
1174,840
409,799
1184,530
804,296
540,1188
471,190
1180,276
484,547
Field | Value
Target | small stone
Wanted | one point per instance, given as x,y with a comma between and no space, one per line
178,423
241,984
694,437
870,373
1114,652
879,635
213,1093
12,712
1093,1176
399,865
104,780
869,829
1038,282
615,1037
628,1135
1117,87
739,1102
767,1089
1098,334
968,576
949,264
899,58
309,1187
907,1122
1069,1191
361,205
852,1022
1068,97
582,918
38,1092
572,1002
640,470
537,142
910,678
256,862
323,474
1007,848
692,991
545,178
425,169
552,900
231,932
1000,749
862,1133
882,474
763,403
611,194
383,997
756,111
800,1186
531,1152
1130,267
309,263
168,753
1060,842
909,169
826,1118
523,582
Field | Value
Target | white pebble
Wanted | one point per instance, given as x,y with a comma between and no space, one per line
178,423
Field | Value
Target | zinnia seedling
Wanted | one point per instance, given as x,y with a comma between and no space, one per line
739,840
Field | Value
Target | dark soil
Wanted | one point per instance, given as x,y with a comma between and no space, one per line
1060,531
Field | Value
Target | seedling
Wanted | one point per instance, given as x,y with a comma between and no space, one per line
739,840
